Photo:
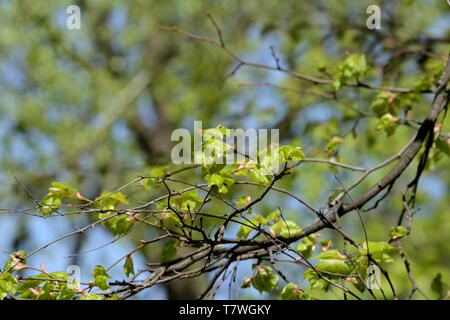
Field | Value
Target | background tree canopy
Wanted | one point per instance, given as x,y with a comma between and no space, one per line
86,112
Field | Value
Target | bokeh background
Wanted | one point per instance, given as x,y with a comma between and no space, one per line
95,107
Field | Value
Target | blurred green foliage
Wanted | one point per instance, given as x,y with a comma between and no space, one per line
63,115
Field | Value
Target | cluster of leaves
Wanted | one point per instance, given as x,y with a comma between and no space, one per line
121,223
333,265
307,245
53,199
292,291
55,285
278,227
43,286
107,201
353,67
262,279
212,158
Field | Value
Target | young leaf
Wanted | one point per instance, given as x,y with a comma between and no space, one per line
315,282
53,199
397,232
16,260
381,251
128,267
111,200
223,180
50,203
306,246
101,277
265,279
8,284
291,291
334,143
258,176
388,123
354,66
188,200
157,172
67,293
438,286
243,200
247,227
285,228
384,102
246,282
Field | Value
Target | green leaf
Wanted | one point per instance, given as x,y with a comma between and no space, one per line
306,246
360,65
111,201
325,243
332,261
286,228
188,200
53,198
67,293
357,283
381,251
26,284
101,282
439,287
397,232
243,200
290,152
157,172
16,260
334,143
223,180
384,102
213,150
258,176
361,263
63,189
246,282
329,254
8,284
101,277
128,267
388,123
60,275
48,291
50,203
297,154
291,291
170,219
338,266
121,224
354,66
315,282
247,227
265,279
